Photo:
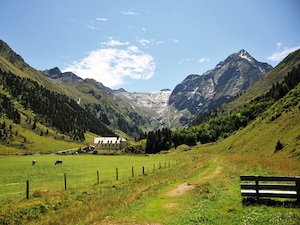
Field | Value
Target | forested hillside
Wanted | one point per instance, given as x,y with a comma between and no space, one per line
54,110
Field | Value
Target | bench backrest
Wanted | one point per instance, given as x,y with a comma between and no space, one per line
289,189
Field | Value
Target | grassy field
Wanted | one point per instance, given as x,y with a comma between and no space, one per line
196,189
81,171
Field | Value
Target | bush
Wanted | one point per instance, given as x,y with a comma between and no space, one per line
137,149
278,146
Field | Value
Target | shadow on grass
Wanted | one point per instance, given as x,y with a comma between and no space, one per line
251,201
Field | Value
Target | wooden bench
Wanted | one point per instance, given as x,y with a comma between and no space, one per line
265,186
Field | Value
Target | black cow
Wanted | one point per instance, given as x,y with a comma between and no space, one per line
58,162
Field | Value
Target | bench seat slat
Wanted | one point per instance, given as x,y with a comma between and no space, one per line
284,187
269,193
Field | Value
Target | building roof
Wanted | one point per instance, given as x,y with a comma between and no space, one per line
108,140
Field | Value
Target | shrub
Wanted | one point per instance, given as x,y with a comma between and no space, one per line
278,146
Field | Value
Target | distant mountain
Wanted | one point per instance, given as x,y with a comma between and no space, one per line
67,78
198,93
153,105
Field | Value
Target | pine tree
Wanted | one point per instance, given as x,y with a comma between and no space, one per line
279,146
34,125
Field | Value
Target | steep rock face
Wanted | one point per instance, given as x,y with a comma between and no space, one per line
229,78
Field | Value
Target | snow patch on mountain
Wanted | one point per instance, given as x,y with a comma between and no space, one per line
244,54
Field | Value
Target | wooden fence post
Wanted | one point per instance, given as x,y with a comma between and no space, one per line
65,178
132,171
117,174
143,170
27,189
98,177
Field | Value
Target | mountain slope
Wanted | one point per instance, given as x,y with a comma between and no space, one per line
10,61
31,102
229,78
50,108
261,136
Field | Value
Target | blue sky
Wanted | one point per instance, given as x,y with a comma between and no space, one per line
147,45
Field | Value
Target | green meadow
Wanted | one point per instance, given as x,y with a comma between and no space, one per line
188,187
80,170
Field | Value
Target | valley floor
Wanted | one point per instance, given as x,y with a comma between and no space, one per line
199,189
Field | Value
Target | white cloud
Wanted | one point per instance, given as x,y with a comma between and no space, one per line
130,13
91,27
101,19
203,60
113,42
144,41
114,64
281,52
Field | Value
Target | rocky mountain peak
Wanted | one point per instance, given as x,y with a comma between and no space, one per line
245,55
165,89
235,74
53,73
65,78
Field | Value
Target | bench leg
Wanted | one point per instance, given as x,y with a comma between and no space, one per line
298,190
257,188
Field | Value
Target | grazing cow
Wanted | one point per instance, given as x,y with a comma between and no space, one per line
58,162
33,162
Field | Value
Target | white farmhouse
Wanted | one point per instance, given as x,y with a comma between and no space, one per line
110,143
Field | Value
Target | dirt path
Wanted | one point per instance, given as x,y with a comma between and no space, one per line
180,190
185,187
207,175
